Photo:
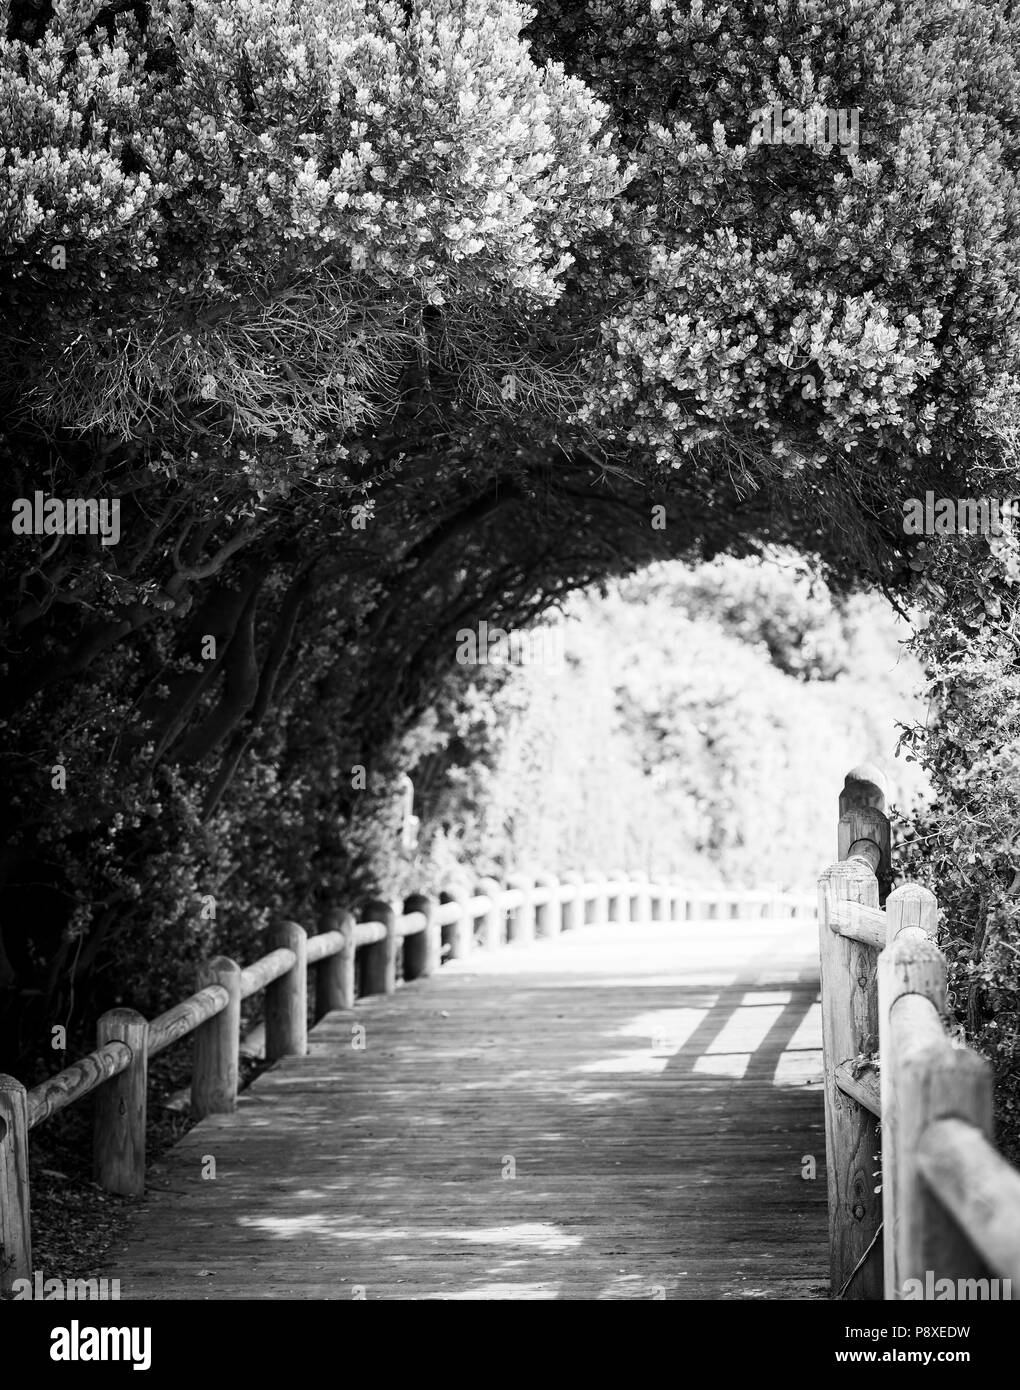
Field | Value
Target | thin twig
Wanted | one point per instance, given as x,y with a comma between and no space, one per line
861,1260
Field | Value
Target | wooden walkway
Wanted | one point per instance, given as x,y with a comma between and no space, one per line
621,1112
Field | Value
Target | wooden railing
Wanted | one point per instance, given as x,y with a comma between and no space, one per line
427,931
928,1198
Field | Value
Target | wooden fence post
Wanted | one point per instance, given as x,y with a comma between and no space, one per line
863,824
619,902
217,1044
522,919
119,1136
334,976
912,909
379,958
572,910
287,997
911,905
597,909
15,1222
657,901
492,924
640,900
923,1078
864,785
547,914
459,935
421,955
849,1029
681,906
676,902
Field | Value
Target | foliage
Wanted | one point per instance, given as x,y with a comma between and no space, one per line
964,845
672,738
385,319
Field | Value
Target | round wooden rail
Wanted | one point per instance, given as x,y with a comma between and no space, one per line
448,914
264,971
327,943
978,1188
76,1081
411,924
368,933
185,1017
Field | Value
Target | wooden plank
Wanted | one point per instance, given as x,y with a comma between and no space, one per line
648,1084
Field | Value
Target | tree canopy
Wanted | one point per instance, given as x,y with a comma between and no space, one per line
384,318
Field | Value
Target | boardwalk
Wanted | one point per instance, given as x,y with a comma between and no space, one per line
621,1112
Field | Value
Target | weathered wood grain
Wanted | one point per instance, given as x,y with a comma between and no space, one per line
76,1081
379,960
287,997
858,922
334,975
850,1025
185,1017
118,1148
980,1190
217,1042
865,1088
928,1080
270,967
421,948
328,943
15,1224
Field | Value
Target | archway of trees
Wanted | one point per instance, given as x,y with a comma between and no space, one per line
380,320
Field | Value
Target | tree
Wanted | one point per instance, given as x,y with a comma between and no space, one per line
381,319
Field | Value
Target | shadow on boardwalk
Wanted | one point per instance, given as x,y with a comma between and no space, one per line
620,1113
